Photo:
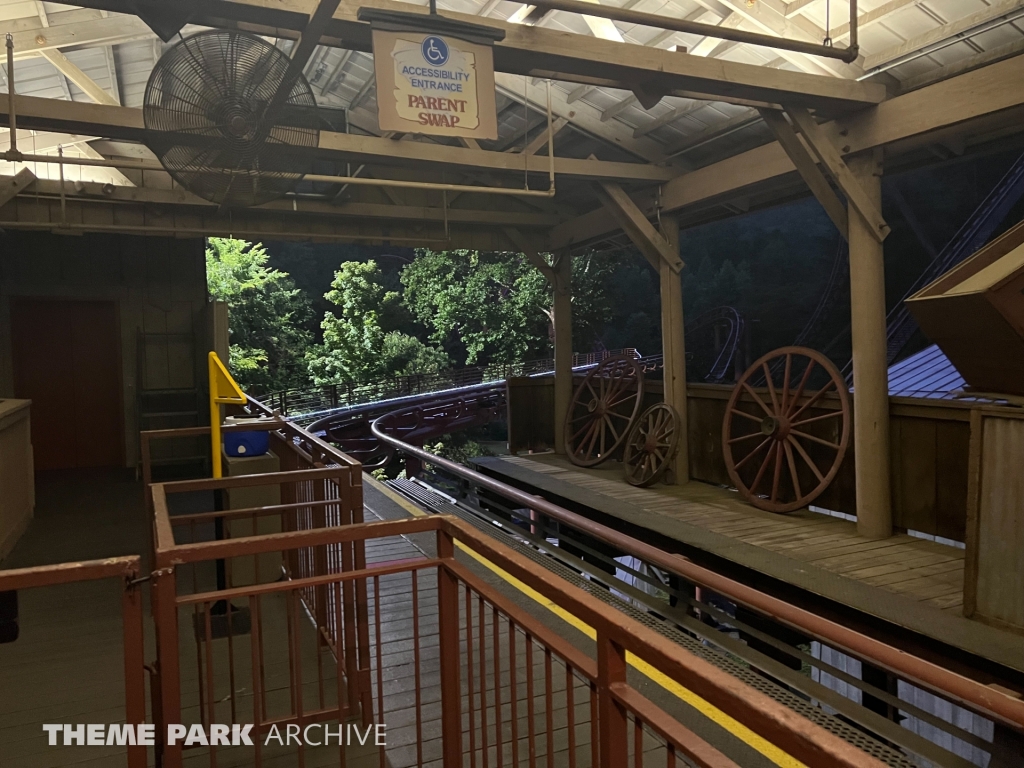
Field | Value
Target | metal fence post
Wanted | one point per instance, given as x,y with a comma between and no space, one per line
134,663
165,610
612,726
448,639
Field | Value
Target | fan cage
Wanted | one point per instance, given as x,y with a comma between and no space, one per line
208,118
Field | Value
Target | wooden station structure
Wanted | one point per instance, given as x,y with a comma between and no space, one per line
613,128
832,132
808,123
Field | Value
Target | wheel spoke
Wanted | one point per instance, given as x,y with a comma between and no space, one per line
618,415
792,470
807,459
610,427
785,382
771,387
830,415
757,399
745,437
591,388
814,398
777,473
746,415
751,455
581,430
591,437
813,439
760,472
803,383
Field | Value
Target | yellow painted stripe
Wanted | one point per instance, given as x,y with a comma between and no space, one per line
709,710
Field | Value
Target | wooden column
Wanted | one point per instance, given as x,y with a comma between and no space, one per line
673,346
561,287
870,369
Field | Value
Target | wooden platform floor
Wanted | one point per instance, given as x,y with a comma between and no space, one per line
915,582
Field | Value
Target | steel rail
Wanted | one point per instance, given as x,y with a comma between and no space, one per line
974,695
629,16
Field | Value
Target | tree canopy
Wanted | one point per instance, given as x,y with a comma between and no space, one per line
362,336
266,314
496,307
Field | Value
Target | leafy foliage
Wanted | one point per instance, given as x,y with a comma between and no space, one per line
361,339
496,307
265,315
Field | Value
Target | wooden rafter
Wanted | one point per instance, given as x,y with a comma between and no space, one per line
828,154
654,246
72,72
992,95
807,167
540,52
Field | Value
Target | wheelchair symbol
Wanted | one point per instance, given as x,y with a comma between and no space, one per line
435,51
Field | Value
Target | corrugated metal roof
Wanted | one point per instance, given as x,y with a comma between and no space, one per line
929,374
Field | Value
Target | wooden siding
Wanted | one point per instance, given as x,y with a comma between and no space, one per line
995,532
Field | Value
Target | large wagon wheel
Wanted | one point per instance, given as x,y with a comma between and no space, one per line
779,454
603,410
652,444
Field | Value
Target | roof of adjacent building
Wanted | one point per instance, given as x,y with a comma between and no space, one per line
928,373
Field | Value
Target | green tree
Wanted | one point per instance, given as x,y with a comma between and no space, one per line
361,336
266,314
496,307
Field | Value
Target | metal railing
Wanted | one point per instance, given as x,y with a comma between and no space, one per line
326,397
127,572
996,705
508,684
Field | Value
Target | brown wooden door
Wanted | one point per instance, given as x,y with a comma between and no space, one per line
67,361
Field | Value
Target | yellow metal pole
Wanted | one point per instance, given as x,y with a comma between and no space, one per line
214,418
224,390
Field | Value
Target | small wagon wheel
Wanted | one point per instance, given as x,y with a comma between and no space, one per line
652,444
603,410
782,444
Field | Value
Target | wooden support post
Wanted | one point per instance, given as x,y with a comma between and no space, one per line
559,275
673,346
561,287
870,370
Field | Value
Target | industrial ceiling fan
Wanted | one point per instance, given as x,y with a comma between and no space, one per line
230,120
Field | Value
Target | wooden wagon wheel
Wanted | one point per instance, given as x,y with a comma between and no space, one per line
603,410
652,444
782,444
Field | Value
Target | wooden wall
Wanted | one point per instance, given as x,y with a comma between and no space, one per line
930,444
158,283
994,572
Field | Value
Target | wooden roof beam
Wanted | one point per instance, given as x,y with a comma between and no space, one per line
652,244
828,154
72,72
126,123
992,96
808,169
541,52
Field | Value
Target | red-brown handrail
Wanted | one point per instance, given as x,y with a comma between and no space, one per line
973,695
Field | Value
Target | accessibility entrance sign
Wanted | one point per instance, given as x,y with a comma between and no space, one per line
434,83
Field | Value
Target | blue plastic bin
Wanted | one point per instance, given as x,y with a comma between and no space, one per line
246,443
